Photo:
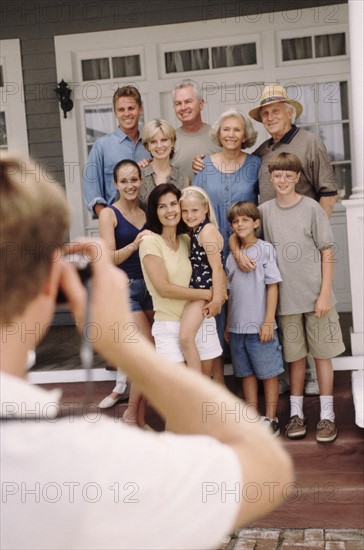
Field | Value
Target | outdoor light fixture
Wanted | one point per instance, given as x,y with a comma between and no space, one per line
64,97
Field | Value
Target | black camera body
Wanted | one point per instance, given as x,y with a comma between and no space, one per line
83,267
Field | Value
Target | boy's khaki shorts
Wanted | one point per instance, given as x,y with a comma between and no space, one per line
303,332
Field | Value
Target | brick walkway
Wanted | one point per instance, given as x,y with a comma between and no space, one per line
295,539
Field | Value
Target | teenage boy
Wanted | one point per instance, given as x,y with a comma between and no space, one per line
251,328
301,232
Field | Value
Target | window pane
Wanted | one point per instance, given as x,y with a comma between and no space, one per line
343,179
337,140
333,101
98,122
187,60
297,48
305,95
327,45
95,69
3,135
126,66
234,56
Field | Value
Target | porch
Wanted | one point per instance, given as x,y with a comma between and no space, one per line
328,492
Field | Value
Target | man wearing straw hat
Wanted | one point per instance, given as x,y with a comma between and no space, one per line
277,112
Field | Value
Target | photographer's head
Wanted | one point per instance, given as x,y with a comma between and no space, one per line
33,227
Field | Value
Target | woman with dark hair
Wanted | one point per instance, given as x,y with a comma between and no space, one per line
122,226
167,272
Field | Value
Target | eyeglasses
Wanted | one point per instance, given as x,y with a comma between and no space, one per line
287,176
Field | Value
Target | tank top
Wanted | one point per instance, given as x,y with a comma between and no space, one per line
201,270
125,233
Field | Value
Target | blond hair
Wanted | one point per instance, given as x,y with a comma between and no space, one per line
198,194
33,227
152,127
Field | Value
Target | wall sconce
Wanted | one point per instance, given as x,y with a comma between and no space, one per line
64,97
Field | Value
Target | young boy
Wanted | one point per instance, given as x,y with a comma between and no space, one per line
251,327
301,233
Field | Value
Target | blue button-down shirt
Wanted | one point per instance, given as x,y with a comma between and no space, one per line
108,150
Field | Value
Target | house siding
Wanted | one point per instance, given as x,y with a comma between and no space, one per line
36,22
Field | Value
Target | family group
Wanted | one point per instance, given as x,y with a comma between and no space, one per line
227,254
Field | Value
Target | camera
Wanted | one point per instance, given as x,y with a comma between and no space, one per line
83,267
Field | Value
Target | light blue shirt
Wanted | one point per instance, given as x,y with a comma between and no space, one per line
225,189
108,150
248,290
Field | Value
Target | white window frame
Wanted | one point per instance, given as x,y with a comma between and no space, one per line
209,44
12,97
311,33
83,56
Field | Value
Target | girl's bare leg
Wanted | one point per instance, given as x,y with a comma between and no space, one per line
191,321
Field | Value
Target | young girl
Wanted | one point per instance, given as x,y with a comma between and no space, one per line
207,268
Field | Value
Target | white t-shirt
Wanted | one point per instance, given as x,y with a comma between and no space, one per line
92,482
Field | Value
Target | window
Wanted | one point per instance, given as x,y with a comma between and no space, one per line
187,60
214,57
310,47
326,112
100,121
13,125
3,136
234,56
104,68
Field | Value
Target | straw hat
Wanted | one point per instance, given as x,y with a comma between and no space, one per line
274,93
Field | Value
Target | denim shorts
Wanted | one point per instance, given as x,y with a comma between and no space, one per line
139,297
251,357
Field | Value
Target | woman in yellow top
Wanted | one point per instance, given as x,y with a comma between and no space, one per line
167,272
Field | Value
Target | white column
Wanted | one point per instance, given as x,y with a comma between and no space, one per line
355,206
356,22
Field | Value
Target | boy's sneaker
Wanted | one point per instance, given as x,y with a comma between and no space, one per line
326,431
296,427
273,425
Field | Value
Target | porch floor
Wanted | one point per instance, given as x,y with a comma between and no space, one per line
328,494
